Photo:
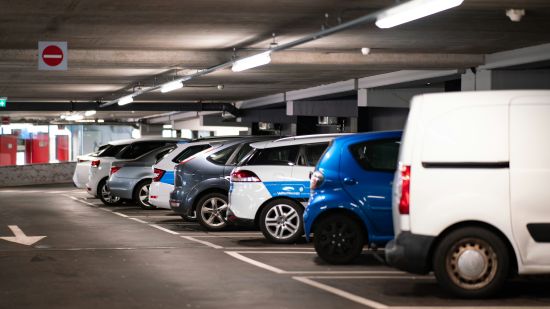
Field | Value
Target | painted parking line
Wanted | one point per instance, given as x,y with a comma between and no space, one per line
349,296
204,242
239,255
163,229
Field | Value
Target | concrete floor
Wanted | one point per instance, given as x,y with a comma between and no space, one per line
124,257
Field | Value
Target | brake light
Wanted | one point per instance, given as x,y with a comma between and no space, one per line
81,160
95,163
404,201
114,169
244,176
158,174
316,180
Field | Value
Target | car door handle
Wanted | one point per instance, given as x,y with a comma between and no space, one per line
350,181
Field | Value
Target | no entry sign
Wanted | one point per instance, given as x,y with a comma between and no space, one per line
52,56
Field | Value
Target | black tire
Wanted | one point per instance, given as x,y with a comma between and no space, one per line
281,221
211,211
189,218
485,268
105,196
140,195
338,238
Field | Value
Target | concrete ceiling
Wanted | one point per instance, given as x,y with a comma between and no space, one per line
116,44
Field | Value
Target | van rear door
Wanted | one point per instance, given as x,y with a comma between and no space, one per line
529,175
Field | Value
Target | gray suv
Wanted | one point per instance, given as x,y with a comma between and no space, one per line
201,183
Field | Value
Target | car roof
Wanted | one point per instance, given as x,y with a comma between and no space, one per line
298,140
144,139
369,135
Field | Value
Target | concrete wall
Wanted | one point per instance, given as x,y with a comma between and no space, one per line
22,175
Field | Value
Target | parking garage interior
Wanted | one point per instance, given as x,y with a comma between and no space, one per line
79,74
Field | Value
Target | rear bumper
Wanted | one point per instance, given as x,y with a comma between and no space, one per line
410,252
159,194
234,220
178,203
122,187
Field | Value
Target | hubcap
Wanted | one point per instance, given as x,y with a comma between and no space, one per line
337,238
144,195
213,211
472,264
106,194
282,221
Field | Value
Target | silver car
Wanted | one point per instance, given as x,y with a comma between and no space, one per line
130,179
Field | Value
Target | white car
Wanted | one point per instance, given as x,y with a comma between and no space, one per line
270,188
163,182
97,185
471,195
82,169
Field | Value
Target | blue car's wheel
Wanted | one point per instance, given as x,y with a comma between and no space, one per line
338,238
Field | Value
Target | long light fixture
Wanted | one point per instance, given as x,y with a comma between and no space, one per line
251,62
412,10
126,100
90,113
74,117
171,86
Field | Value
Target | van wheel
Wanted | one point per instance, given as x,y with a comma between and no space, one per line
471,262
281,221
212,210
141,194
105,194
338,239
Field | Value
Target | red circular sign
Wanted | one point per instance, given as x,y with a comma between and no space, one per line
52,55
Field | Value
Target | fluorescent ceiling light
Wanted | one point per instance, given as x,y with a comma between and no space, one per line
125,100
74,117
412,10
84,120
167,126
90,113
100,120
251,62
171,86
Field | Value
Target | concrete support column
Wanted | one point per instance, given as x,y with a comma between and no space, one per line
150,129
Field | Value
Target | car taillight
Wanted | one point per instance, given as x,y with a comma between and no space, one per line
158,174
244,176
95,163
316,180
404,201
114,169
81,160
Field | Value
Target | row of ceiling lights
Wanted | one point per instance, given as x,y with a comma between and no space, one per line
388,18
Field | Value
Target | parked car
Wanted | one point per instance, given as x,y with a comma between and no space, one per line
163,180
130,179
271,187
100,168
201,182
82,169
350,203
471,195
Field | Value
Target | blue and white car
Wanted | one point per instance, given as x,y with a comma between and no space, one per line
270,188
163,181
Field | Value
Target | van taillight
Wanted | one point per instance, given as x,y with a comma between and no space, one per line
244,176
95,163
158,174
316,180
114,169
404,201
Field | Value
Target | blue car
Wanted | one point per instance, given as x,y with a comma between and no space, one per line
351,192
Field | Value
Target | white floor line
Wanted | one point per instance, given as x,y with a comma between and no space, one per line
120,214
278,252
81,201
164,229
341,293
138,220
373,277
250,261
206,243
348,272
230,236
266,248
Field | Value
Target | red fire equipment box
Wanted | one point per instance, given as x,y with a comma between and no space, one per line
62,147
8,149
37,148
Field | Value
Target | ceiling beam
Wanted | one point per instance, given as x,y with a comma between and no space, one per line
403,76
56,106
518,56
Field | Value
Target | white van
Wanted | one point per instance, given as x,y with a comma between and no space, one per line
471,199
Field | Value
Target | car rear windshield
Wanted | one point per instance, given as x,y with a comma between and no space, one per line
111,150
137,149
189,151
378,155
223,155
313,153
285,155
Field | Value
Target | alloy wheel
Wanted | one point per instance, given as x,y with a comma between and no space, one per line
282,221
213,212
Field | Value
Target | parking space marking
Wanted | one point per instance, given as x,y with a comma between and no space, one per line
268,248
80,200
120,214
413,277
206,243
140,221
341,293
239,255
164,229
